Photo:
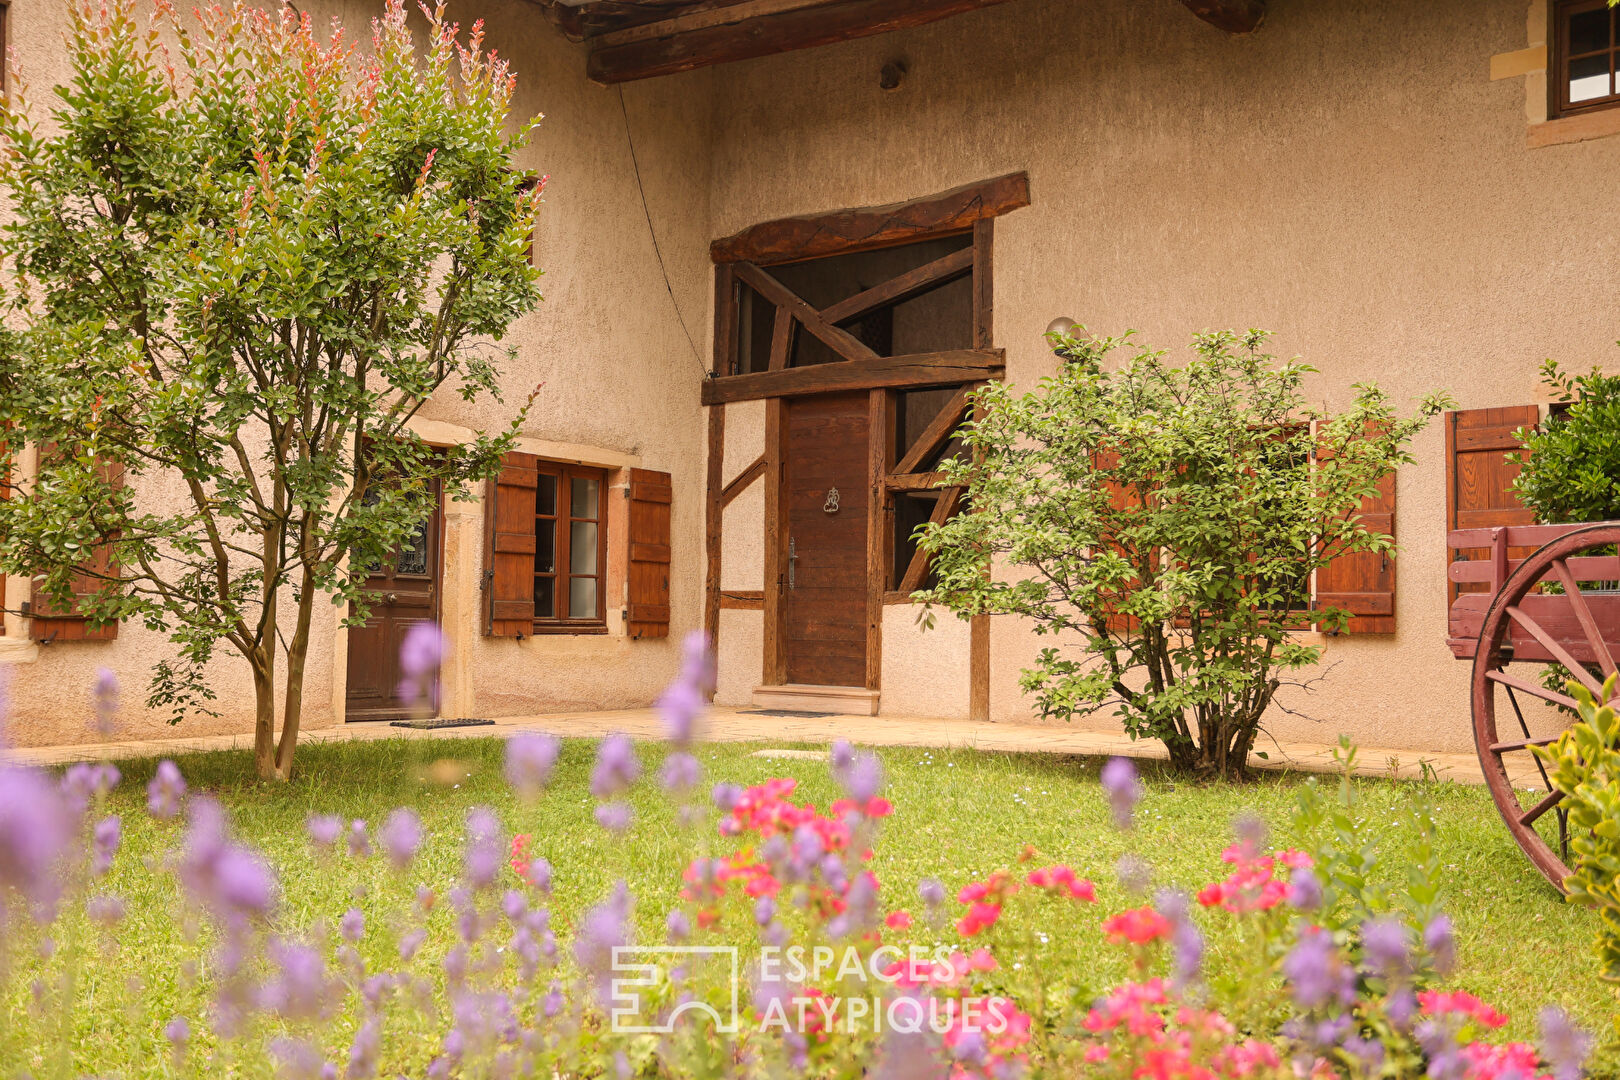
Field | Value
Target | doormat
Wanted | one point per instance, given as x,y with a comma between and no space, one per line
434,725
784,712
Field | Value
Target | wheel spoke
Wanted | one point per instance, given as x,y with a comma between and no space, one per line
1530,815
1594,637
1531,688
1559,653
1522,744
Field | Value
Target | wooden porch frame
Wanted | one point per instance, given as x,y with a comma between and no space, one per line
742,259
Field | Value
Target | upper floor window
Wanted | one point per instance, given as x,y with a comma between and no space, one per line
1586,42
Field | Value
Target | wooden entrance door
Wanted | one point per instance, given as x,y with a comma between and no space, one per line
404,591
825,451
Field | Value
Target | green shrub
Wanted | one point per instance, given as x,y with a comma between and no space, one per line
1570,466
1164,523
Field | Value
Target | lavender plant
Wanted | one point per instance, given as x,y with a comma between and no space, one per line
1288,964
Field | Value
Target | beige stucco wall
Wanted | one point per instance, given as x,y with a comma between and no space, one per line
1349,177
620,388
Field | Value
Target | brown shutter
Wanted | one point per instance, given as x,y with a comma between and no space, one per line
509,547
650,492
49,623
1479,476
1363,582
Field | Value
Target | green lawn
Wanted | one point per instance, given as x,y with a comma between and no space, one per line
958,815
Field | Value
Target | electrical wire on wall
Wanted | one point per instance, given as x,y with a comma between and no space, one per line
635,165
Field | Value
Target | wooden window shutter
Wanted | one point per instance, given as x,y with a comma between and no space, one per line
1363,582
650,493
1120,497
509,547
1479,476
49,623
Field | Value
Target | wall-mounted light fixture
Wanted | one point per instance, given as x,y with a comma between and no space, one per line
1060,325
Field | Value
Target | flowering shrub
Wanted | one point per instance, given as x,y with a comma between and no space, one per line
781,918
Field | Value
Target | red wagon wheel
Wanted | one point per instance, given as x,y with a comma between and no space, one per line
1527,627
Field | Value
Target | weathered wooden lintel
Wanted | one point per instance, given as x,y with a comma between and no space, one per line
844,231
905,372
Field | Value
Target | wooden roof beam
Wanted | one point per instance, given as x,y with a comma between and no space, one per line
1233,16
752,28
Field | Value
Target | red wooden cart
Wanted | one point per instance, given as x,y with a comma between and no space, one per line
1504,616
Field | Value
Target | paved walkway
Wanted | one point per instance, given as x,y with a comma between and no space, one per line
742,725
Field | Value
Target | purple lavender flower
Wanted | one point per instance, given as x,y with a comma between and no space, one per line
1370,1052
105,839
1304,890
83,783
1439,943
295,1059
842,757
863,779
106,910
764,910
602,929
615,817
420,657
300,988
678,926
1315,974
353,925
323,830
540,875
1401,1007
481,857
178,1032
617,767
1124,790
401,836
411,943
530,759
36,829
359,842
231,882
1439,1042
1564,1046
366,1047
683,703
861,914
514,905
1383,942
931,891
165,792
104,699
681,773
725,797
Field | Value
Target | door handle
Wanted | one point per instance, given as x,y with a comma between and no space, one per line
391,598
793,561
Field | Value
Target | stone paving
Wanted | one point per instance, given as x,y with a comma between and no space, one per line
728,724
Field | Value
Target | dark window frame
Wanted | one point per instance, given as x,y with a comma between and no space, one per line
1560,57
562,521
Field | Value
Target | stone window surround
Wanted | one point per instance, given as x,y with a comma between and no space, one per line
1530,64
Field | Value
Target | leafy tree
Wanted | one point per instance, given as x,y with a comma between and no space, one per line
1162,524
1570,466
241,263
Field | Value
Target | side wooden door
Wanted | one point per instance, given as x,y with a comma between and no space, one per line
404,591
825,492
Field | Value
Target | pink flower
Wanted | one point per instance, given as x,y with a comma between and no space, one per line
1462,1003
1137,926
899,920
1062,881
980,917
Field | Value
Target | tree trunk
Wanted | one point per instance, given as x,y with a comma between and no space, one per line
297,652
264,721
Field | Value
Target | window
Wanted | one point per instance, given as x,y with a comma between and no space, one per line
570,549
1585,45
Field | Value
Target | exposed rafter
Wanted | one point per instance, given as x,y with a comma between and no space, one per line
630,40
1233,16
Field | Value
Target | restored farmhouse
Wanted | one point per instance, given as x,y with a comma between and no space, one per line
783,238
